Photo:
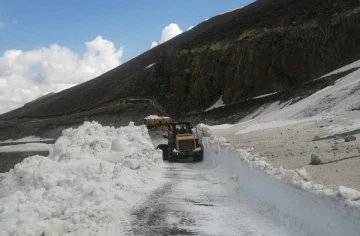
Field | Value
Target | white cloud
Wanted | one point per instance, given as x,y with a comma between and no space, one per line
24,76
168,33
153,44
2,25
190,27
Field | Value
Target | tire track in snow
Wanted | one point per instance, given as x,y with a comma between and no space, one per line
122,225
151,218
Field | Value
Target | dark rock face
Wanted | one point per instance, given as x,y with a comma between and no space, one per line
268,46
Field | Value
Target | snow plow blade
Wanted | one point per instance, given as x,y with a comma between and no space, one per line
160,122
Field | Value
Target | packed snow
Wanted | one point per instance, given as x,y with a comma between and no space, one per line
218,103
28,147
27,140
91,177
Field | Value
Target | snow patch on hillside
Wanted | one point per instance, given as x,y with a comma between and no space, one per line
149,66
92,175
340,100
264,95
218,103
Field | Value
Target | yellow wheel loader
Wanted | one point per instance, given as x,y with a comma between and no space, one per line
182,141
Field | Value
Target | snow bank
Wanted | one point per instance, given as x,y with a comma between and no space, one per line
91,176
321,210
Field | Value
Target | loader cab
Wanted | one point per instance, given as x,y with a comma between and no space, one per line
182,128
182,143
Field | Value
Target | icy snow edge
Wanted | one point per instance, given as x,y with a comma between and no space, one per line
324,211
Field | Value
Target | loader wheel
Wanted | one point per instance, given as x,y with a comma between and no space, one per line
164,148
199,157
170,155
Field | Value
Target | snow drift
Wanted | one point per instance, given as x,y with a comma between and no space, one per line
92,175
322,210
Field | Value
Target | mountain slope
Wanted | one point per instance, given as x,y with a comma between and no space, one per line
265,47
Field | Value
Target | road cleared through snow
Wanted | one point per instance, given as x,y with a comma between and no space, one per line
198,200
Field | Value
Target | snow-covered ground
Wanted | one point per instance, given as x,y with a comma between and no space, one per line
86,185
26,147
27,140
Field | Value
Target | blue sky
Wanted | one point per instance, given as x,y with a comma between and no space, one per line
133,24
50,45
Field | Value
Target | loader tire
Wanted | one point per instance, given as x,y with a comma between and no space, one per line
199,158
170,155
164,148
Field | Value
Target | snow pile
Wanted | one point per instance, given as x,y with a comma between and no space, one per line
156,117
218,103
91,176
27,140
203,131
322,210
157,137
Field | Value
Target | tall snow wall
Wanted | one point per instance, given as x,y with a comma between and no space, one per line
321,210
